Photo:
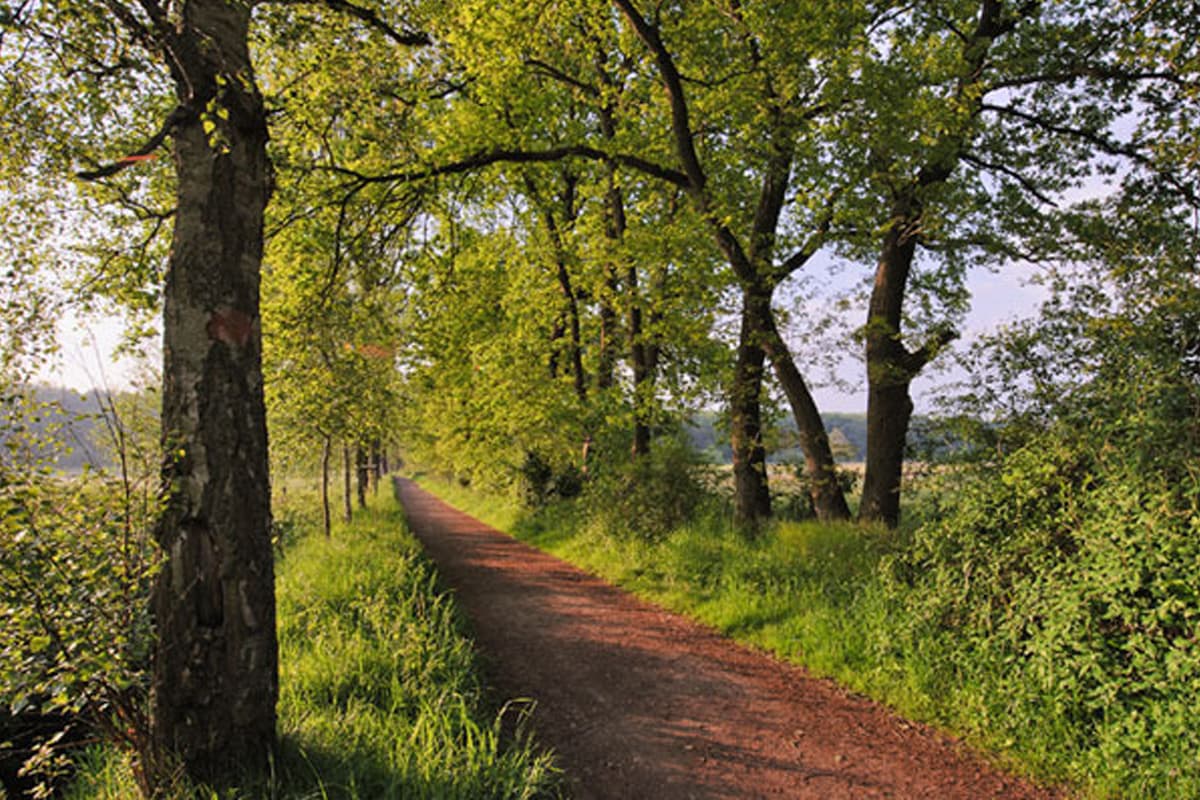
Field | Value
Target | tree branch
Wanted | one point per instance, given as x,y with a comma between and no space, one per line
812,246
407,38
180,114
562,77
1102,143
680,123
1025,183
488,158
1100,72
915,362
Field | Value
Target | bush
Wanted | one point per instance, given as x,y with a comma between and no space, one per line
540,483
648,497
794,501
76,561
1072,571
74,580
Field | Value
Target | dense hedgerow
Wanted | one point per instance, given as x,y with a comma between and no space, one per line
1066,581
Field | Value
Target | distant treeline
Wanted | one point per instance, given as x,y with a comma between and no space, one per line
847,438
847,435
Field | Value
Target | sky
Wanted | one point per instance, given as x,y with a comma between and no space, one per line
87,357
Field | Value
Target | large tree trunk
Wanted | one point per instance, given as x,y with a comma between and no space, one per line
828,499
751,496
890,370
215,678
889,410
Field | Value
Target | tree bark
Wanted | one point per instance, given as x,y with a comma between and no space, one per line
890,370
643,369
571,312
376,464
215,674
363,473
606,360
751,495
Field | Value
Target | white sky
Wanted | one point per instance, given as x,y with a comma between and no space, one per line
87,357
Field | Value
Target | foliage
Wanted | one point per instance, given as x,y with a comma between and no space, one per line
1074,567
794,495
645,498
1067,549
539,482
76,561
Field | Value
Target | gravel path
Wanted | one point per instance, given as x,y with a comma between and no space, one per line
641,703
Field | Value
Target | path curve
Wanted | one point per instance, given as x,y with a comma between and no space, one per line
641,703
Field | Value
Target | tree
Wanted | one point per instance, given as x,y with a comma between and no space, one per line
214,681
215,676
994,110
733,139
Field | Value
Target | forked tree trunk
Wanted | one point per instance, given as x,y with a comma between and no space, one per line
891,368
215,663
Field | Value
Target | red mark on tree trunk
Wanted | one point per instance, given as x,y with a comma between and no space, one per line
230,326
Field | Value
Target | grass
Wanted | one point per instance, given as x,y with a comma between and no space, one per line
379,690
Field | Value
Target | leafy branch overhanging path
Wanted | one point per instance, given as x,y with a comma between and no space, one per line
641,703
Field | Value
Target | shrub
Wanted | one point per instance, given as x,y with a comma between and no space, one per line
1073,570
76,561
648,497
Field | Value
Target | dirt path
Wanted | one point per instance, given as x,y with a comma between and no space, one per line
641,703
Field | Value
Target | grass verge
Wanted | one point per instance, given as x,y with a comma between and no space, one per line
379,690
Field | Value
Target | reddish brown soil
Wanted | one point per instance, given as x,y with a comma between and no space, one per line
641,703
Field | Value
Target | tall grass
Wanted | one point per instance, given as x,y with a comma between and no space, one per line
379,690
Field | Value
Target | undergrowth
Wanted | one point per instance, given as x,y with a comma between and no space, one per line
379,690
